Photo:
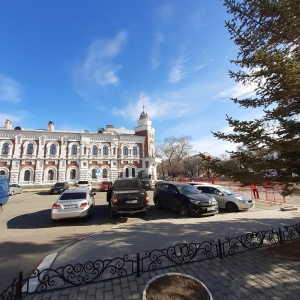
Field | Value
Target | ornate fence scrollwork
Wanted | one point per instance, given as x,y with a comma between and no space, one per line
291,232
249,241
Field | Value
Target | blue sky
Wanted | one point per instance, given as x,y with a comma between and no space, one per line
87,64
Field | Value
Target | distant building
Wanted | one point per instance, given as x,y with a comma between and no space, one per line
45,156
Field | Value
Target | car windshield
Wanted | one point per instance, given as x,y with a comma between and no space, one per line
59,184
226,191
188,190
127,185
73,196
83,182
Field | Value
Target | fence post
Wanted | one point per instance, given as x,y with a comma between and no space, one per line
19,286
220,249
138,269
280,236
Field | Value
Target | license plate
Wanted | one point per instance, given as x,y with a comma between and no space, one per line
131,201
70,206
211,208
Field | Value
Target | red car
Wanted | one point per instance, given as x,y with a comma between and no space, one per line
104,185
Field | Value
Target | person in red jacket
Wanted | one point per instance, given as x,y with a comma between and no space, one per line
254,190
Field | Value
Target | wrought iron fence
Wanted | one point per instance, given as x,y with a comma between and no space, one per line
109,269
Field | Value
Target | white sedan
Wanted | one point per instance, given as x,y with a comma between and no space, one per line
14,189
73,204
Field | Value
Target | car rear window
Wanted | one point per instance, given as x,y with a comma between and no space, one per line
83,182
127,185
59,184
70,196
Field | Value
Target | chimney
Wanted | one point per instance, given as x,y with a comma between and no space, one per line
7,124
50,126
110,128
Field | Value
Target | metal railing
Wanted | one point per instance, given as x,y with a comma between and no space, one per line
109,269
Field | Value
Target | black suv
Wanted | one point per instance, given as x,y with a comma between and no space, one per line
59,187
185,199
127,196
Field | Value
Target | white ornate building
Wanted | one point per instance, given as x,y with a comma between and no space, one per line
31,157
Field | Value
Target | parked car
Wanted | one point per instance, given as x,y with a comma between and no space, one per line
73,204
127,197
84,184
59,187
185,199
14,189
146,184
4,191
227,198
104,185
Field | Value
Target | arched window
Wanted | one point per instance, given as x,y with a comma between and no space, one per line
104,173
105,150
125,151
133,172
94,174
50,175
74,150
53,149
27,175
95,150
126,172
5,148
29,149
73,174
134,150
2,172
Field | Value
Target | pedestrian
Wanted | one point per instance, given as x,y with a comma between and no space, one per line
254,191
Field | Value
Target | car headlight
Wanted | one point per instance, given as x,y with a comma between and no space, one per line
242,200
197,202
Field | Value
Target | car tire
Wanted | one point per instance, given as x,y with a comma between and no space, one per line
12,193
157,203
231,207
184,211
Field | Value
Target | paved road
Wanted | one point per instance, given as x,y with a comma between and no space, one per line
28,235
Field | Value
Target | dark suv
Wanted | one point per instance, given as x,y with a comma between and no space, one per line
127,197
59,187
185,199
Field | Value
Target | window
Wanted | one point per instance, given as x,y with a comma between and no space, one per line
50,175
29,149
27,175
2,172
126,172
105,150
73,174
94,174
5,148
53,149
74,150
104,173
95,150
134,151
125,151
133,172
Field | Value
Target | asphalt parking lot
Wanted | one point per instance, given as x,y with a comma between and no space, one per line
28,234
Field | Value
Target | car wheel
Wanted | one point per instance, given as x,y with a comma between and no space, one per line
12,193
231,207
184,211
157,203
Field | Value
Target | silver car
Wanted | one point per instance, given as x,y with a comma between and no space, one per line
227,198
14,189
73,204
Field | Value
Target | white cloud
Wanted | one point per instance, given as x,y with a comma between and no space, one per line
177,72
98,69
10,90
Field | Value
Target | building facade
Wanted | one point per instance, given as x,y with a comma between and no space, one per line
36,157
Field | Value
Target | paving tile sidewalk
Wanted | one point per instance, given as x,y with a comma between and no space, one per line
250,275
